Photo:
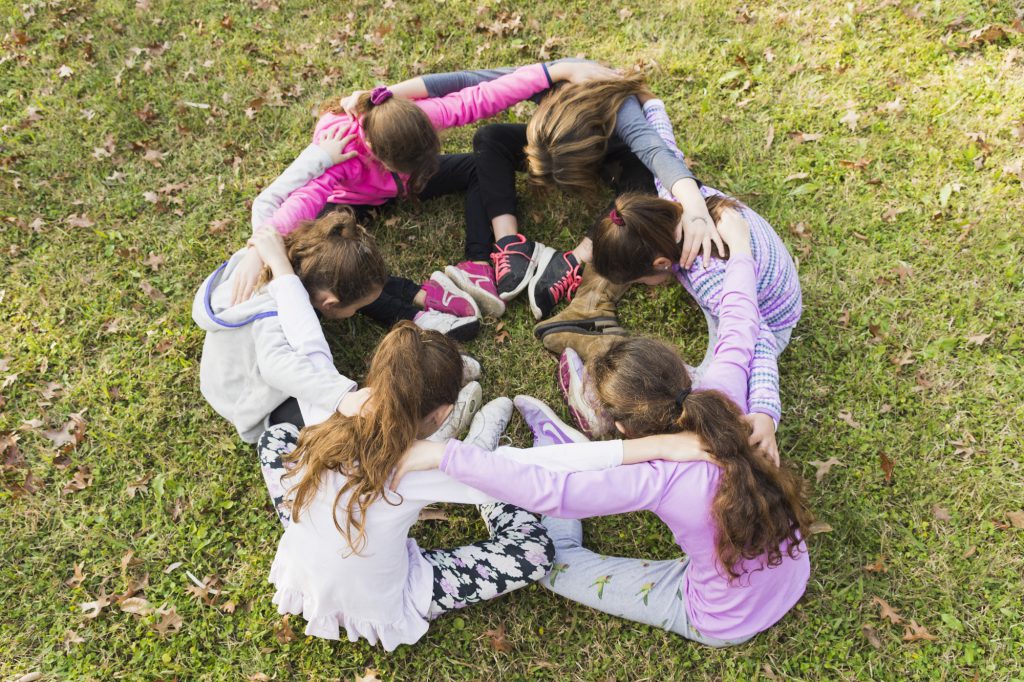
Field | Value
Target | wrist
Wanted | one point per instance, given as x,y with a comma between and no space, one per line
557,71
686,189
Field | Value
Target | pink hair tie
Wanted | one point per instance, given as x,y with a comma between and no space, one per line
616,218
379,94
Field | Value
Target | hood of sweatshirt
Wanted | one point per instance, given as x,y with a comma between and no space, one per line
213,318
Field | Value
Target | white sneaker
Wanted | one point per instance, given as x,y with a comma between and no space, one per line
489,423
462,413
458,328
470,369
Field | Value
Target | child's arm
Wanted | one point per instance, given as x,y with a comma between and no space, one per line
648,132
764,376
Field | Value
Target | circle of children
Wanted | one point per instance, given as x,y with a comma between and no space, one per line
349,469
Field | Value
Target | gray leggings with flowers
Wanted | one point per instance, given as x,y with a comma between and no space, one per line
518,552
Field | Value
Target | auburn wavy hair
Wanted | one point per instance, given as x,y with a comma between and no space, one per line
625,253
757,506
413,372
567,137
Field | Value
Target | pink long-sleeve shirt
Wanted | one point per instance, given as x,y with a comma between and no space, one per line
363,180
680,494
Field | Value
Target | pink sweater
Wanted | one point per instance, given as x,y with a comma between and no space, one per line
362,180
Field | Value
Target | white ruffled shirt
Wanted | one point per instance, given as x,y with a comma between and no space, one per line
382,594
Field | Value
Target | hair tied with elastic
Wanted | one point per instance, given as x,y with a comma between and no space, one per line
380,94
616,218
681,397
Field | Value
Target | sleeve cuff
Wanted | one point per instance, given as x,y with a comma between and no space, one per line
449,451
547,74
653,105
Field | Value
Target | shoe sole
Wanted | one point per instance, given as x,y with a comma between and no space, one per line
589,326
446,283
551,416
464,332
490,305
472,406
471,437
531,268
542,265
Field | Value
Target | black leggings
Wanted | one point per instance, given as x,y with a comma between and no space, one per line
500,152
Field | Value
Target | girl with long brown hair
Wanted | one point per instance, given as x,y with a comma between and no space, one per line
739,519
346,562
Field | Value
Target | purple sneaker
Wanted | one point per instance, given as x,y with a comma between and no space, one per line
477,280
580,396
444,297
547,428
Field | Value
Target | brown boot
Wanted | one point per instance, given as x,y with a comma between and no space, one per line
592,307
589,344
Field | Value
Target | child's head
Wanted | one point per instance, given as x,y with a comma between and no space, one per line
414,379
640,238
400,136
567,137
645,387
338,262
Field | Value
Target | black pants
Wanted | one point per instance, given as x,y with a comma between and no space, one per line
500,153
457,173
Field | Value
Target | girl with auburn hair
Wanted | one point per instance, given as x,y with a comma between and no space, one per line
739,519
345,561
638,240
248,368
386,146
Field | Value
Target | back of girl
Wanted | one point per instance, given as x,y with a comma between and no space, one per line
248,368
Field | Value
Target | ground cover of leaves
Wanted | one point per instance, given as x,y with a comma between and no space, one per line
884,140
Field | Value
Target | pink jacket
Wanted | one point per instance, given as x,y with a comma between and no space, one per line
363,180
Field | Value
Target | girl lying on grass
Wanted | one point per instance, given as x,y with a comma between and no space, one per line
392,150
345,561
739,519
639,241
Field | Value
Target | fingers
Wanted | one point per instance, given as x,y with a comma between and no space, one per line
718,241
690,248
705,247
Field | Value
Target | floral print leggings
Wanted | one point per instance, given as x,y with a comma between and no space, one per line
518,552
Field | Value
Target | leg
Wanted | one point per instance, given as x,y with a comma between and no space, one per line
394,303
518,553
274,444
624,171
288,412
455,174
648,592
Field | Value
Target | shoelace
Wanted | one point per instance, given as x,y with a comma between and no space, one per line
500,260
567,285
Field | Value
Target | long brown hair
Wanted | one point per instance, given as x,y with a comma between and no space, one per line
625,253
567,136
413,372
757,506
400,136
335,254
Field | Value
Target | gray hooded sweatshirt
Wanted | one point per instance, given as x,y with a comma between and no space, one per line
248,366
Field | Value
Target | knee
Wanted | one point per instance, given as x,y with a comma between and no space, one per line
484,137
278,438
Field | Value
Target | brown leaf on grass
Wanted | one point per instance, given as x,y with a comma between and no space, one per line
8,380
823,468
860,164
971,551
847,416
769,138
151,291
978,339
903,271
136,606
887,465
80,481
71,637
76,579
872,635
1016,518
139,485
797,176
228,606
819,527
127,561
51,390
154,157
886,611
914,632
151,197
800,230
147,114
75,220
258,677
850,119
432,514
801,137
10,453
991,33
844,319
219,226
61,461
890,214
498,639
903,359
877,566
369,675
941,513
283,630
894,107
93,608
501,338
169,623
69,436
29,677
65,71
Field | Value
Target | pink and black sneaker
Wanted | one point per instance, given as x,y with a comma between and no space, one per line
443,296
579,394
477,280
514,264
558,276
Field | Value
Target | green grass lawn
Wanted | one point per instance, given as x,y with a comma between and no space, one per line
884,140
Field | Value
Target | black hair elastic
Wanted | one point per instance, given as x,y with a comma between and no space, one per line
681,396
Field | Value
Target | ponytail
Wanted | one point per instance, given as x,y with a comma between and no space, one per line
645,386
413,372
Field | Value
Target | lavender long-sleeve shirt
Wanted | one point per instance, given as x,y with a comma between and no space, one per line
680,494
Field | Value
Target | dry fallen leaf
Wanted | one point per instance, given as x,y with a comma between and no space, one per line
886,611
978,339
172,567
823,468
94,607
887,466
941,513
151,291
877,566
872,635
228,606
30,677
70,435
80,481
283,630
850,119
139,485
219,226
914,632
971,551
369,675
136,605
71,637
847,416
432,514
154,261
77,578
769,138
498,639
1016,519
800,137
169,623
819,527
